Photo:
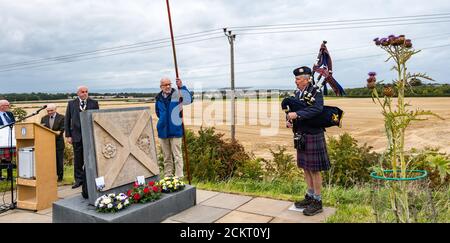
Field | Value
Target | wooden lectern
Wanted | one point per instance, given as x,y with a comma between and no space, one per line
39,192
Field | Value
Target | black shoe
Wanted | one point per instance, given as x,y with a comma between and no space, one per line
314,208
304,203
76,185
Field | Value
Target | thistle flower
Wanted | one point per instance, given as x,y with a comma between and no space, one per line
372,74
384,42
388,90
408,43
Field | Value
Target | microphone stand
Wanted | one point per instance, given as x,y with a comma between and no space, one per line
10,164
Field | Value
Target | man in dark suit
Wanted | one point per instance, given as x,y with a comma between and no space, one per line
73,133
55,121
6,117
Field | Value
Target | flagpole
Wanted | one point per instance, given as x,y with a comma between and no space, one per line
179,93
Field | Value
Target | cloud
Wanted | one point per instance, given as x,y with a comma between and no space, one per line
33,30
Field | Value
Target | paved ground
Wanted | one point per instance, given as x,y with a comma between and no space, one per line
212,207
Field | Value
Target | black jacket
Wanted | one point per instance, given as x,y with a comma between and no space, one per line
58,125
10,115
308,112
72,121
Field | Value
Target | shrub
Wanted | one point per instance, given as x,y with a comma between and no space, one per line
350,164
282,166
211,157
18,113
251,169
436,164
68,155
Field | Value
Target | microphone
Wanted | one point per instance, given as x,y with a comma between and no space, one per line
40,109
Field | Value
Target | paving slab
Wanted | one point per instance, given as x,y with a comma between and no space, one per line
265,206
203,195
19,216
200,214
227,201
299,217
241,217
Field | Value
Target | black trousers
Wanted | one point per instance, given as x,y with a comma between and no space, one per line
78,162
79,172
60,163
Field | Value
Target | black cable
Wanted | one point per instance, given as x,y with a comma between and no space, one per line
349,20
111,49
339,28
108,55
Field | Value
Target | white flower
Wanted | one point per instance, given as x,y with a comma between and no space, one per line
126,202
107,201
110,205
119,206
102,205
112,195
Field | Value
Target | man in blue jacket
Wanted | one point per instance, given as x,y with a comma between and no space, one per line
170,130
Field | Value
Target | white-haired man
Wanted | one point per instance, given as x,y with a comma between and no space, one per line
6,117
73,133
55,121
170,130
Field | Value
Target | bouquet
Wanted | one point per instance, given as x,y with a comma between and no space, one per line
144,193
171,184
112,203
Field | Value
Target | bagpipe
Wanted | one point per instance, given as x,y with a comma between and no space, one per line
330,115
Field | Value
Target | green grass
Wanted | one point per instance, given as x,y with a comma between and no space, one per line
353,204
68,179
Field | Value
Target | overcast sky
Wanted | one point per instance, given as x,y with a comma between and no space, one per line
35,30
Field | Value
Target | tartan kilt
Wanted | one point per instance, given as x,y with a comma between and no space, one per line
315,155
5,154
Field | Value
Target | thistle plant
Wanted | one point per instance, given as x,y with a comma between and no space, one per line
397,117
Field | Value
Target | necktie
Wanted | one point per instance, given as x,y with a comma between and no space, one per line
52,121
83,105
8,121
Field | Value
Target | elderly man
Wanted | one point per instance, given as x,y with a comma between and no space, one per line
6,117
55,121
312,154
169,125
73,133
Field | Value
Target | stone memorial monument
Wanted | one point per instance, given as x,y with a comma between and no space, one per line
119,145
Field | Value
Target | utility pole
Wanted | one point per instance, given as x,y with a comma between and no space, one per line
231,39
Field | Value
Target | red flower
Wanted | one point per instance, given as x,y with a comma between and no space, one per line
136,185
151,183
129,193
137,196
155,189
146,190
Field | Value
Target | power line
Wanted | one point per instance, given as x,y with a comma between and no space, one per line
302,54
340,28
37,65
443,15
133,48
111,49
284,67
